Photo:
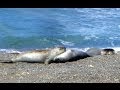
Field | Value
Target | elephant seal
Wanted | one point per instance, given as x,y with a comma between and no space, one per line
107,51
93,51
97,51
70,55
41,56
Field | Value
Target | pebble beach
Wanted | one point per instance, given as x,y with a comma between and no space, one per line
97,69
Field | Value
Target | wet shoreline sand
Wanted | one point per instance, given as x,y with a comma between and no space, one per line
97,69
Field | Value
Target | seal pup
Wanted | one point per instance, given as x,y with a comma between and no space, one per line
70,55
93,51
41,56
107,51
97,51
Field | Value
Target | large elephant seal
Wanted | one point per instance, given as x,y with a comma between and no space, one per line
70,55
42,56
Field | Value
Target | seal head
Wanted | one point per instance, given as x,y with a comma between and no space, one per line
107,51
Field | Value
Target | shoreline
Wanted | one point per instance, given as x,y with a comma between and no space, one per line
11,50
97,69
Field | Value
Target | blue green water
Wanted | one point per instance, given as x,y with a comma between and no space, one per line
35,28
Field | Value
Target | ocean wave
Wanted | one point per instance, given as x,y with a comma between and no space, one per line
10,51
117,49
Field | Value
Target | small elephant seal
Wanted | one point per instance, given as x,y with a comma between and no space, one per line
41,56
107,51
93,51
70,55
97,51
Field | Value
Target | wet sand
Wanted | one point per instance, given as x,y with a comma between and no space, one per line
97,69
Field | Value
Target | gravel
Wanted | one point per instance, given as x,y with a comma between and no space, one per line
97,69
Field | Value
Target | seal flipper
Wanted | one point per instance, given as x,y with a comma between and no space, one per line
47,62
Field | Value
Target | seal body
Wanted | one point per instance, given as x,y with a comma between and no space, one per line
42,56
107,51
70,55
93,51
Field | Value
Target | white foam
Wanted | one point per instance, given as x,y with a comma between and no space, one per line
80,49
87,38
117,49
9,51
90,37
66,43
115,37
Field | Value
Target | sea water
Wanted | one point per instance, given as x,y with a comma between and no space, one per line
38,28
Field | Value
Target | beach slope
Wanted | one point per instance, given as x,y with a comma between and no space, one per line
97,69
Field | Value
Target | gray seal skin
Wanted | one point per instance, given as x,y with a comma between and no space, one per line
70,55
93,51
41,56
107,51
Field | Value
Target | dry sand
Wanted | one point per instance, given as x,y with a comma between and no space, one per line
97,69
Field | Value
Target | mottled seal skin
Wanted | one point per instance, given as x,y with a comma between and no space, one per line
93,51
107,51
41,56
70,55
